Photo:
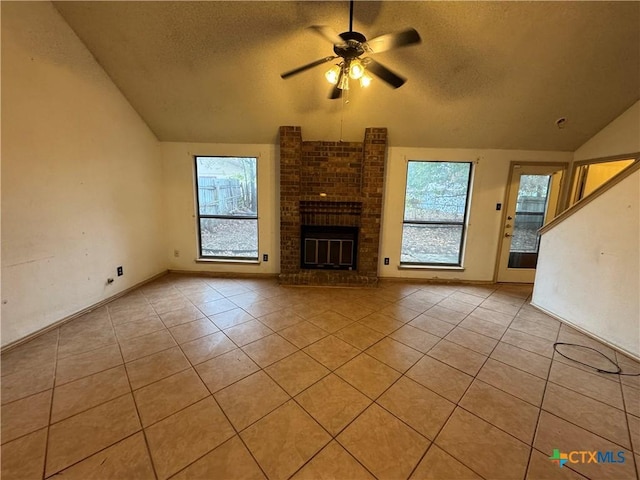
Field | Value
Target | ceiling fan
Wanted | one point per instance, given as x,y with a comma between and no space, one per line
349,48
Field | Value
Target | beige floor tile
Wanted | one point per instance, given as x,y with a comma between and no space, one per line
571,335
597,417
127,459
27,382
518,383
395,354
541,468
38,351
483,327
88,340
417,406
593,386
333,403
415,338
82,435
381,323
634,431
471,340
432,325
555,433
87,392
263,307
250,399
383,444
400,313
269,350
359,335
446,314
531,343
228,368
461,296
230,318
631,400
184,437
534,328
192,330
303,334
137,328
178,317
440,378
332,352
350,310
522,359
231,460
469,438
202,296
296,372
25,415
460,307
505,411
281,319
632,370
572,355
217,306
368,375
85,364
148,344
439,465
415,303
24,458
247,332
333,463
284,440
170,304
458,357
492,316
165,397
131,313
156,367
209,346
330,321
496,304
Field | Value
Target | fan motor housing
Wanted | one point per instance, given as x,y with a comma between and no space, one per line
352,47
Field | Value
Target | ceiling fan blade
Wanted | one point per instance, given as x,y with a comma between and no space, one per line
384,73
307,66
392,40
328,33
335,91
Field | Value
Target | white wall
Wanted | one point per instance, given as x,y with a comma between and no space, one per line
81,177
589,267
180,200
491,172
621,136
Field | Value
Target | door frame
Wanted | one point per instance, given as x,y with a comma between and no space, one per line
564,166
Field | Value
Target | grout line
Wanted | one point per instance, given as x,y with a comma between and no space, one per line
53,387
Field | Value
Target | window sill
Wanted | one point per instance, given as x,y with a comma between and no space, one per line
227,260
452,268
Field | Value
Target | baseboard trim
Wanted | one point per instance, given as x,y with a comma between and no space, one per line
200,273
587,333
73,316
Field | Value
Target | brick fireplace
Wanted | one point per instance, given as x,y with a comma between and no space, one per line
329,187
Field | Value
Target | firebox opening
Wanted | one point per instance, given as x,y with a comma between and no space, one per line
329,247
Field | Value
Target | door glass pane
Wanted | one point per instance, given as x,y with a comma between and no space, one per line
531,206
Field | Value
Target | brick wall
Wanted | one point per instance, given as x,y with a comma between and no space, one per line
331,183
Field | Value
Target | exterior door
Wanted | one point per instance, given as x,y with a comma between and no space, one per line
532,202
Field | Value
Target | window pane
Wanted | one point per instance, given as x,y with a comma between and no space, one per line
436,244
227,186
436,191
229,238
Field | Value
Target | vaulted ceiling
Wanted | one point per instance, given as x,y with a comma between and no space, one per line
486,75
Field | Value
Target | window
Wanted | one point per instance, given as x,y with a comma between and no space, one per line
227,207
435,213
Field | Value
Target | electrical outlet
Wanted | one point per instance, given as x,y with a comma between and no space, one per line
120,271
265,257
386,260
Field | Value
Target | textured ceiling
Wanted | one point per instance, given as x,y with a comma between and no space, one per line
486,75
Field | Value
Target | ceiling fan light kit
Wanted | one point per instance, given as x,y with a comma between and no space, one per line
349,47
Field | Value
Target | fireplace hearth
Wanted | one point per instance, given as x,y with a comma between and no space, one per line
329,247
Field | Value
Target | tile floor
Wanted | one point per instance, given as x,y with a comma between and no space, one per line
218,378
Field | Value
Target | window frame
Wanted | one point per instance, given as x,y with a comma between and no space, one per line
463,223
199,216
